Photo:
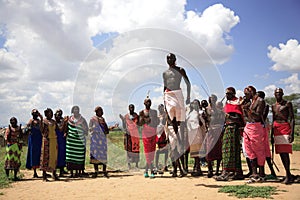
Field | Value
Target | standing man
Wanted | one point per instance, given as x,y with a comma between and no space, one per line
254,134
148,119
174,103
282,133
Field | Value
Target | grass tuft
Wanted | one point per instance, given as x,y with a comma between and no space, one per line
246,191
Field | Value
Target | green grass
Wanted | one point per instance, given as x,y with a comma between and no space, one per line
4,182
246,191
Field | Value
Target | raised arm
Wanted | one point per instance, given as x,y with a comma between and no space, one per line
188,85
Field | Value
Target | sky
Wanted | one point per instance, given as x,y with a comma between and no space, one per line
112,53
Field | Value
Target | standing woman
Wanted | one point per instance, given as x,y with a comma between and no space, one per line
132,137
76,141
34,141
49,145
196,134
98,149
61,141
13,136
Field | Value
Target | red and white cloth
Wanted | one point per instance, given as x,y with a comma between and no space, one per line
281,137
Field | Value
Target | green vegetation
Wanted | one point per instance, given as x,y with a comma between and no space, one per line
246,191
4,182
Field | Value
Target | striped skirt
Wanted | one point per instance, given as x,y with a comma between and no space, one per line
75,149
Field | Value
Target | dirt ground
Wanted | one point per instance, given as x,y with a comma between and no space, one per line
132,185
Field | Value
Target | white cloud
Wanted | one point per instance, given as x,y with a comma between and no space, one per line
269,90
286,57
48,51
289,85
292,84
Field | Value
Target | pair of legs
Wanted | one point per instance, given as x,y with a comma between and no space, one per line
53,175
210,168
149,166
157,153
254,166
62,171
136,165
96,168
197,168
15,173
285,158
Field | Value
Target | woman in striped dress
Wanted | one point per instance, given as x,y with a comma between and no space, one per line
76,141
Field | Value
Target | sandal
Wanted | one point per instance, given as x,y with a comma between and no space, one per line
223,177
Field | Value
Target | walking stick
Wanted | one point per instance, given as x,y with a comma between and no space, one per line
273,158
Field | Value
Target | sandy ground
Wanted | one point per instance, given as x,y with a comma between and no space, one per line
132,185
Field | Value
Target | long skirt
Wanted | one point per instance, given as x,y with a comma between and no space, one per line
75,149
12,157
132,146
98,149
214,143
231,149
34,149
49,154
61,142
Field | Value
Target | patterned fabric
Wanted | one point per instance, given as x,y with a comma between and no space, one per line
231,149
34,146
254,136
281,137
214,143
132,139
98,148
76,143
13,151
12,157
49,146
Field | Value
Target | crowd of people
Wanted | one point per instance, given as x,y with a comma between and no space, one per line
206,131
58,143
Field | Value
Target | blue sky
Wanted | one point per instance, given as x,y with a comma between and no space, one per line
111,52
262,23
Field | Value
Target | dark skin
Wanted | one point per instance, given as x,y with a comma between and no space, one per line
195,105
49,116
13,124
236,118
76,114
99,114
133,116
162,117
149,117
34,122
214,120
256,110
172,78
283,112
255,114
